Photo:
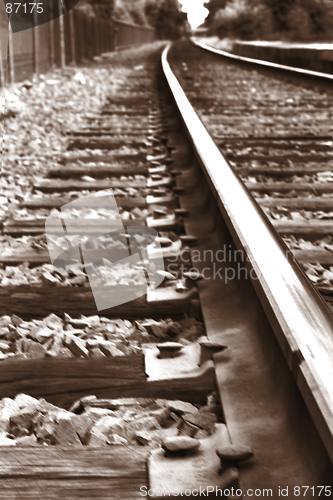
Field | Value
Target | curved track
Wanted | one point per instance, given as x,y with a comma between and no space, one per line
292,306
226,265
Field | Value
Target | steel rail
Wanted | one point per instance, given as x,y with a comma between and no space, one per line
299,317
261,62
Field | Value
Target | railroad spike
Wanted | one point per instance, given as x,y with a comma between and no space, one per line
163,241
188,239
169,349
208,348
160,211
231,455
182,211
180,445
181,286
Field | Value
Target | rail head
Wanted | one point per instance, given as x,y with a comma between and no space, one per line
263,63
301,320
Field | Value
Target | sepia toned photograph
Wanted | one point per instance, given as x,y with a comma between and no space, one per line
166,249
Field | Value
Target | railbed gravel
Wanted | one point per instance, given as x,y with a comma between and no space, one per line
89,337
27,421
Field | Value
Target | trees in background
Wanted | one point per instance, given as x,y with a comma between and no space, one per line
213,6
245,19
166,17
131,12
96,8
272,19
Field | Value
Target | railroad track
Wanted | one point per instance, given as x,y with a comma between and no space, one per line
157,366
279,140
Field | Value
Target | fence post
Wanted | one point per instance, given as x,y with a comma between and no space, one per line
2,71
35,44
77,28
51,31
62,37
72,36
116,36
95,22
82,37
11,55
83,30
110,34
105,36
100,36
96,37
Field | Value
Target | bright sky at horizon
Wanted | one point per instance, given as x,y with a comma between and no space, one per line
196,12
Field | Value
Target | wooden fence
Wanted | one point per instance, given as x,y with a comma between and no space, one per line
69,39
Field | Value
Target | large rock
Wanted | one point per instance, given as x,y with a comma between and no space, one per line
213,408
96,413
44,427
23,400
16,320
5,441
109,349
15,333
143,438
95,352
55,348
145,423
109,425
181,407
46,407
97,439
5,321
82,424
30,349
21,422
159,330
191,333
76,345
205,421
8,407
122,347
115,439
42,334
65,353
64,430
53,321
78,406
26,441
4,332
163,417
5,346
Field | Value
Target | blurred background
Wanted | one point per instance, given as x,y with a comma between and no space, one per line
89,29
292,20
96,26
